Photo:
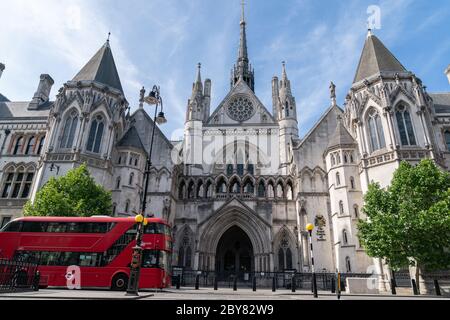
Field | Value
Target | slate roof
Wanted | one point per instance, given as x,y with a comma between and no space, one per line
131,139
376,58
3,98
101,68
340,137
19,110
441,102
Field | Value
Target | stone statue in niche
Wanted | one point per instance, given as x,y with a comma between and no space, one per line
166,209
320,224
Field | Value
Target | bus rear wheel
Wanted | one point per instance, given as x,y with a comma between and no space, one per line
119,282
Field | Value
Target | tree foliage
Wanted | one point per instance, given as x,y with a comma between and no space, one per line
75,194
409,222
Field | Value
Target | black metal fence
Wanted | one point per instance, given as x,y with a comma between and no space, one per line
18,276
262,280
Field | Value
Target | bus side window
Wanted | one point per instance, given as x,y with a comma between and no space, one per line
13,226
31,226
151,228
56,227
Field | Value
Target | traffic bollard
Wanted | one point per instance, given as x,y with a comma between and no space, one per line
437,288
414,287
197,281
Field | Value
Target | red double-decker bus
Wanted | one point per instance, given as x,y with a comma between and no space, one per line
100,249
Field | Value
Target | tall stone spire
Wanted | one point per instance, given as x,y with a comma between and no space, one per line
242,69
243,55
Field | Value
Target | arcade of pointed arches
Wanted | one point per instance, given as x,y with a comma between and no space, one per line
263,187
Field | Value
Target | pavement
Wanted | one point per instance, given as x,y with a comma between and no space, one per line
201,294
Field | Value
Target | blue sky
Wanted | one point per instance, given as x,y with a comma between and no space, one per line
161,42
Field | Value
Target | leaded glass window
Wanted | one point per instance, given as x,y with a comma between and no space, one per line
405,127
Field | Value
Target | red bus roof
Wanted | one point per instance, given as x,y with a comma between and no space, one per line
88,219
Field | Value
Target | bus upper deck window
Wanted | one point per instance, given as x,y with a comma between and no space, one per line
13,226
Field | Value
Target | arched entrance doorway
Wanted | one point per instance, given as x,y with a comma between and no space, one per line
234,254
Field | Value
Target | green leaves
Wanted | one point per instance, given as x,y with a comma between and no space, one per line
75,194
410,221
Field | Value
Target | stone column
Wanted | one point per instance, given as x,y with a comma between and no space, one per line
54,132
388,116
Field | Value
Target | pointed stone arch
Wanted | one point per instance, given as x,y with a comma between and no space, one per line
285,248
185,242
190,192
235,184
234,213
248,184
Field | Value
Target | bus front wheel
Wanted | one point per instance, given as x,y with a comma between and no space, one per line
119,282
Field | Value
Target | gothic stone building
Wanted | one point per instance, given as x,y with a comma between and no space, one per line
241,186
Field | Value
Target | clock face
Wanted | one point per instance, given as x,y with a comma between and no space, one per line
240,108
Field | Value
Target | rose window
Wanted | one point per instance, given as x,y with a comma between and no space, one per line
240,109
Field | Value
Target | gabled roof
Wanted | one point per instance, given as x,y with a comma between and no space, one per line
101,68
441,102
131,139
241,87
376,58
3,98
316,125
340,137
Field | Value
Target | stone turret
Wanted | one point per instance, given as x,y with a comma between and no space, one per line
285,112
199,104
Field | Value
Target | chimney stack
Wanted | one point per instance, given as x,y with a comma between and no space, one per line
42,94
447,72
2,68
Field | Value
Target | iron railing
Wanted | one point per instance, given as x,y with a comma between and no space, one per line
263,280
18,276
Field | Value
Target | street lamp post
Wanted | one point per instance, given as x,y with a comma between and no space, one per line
153,98
310,228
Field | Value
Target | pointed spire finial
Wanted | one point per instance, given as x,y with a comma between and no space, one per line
284,74
243,11
199,77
